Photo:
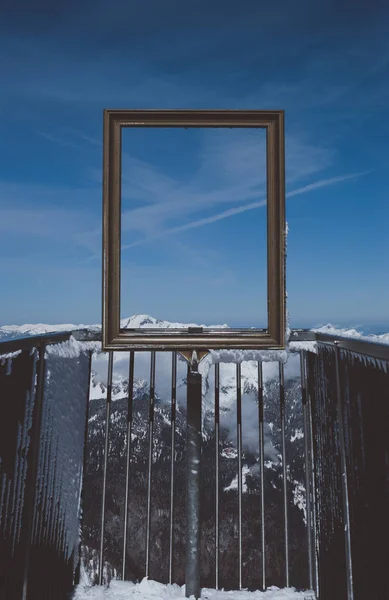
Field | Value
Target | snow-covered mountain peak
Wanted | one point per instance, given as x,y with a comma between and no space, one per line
146,321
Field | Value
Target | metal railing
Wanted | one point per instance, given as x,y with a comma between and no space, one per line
344,407
42,427
348,383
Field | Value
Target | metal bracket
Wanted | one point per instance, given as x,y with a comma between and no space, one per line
194,357
195,330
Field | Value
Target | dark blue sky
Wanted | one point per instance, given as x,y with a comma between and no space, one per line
326,64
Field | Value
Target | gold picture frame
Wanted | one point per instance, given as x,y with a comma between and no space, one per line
273,337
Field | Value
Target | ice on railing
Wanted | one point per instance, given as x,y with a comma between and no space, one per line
8,357
17,380
368,361
62,445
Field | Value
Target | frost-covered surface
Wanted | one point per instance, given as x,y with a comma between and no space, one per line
72,348
239,356
148,589
61,456
307,346
18,408
9,355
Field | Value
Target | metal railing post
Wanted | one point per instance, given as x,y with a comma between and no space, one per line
262,469
308,489
217,465
313,483
284,471
106,449
150,460
240,482
84,466
32,472
128,453
172,460
343,462
193,452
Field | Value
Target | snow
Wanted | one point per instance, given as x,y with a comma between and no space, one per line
298,435
148,589
229,453
9,356
147,322
299,498
353,333
234,483
41,329
61,454
298,346
72,348
239,356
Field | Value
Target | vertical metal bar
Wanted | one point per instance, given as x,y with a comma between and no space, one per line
42,472
18,482
239,448
315,377
33,469
22,468
262,469
151,430
106,450
46,490
284,471
128,454
308,489
7,512
217,463
84,461
314,383
173,439
52,534
52,506
193,453
58,517
343,462
2,503
314,494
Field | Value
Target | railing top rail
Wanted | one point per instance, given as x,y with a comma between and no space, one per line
36,341
359,346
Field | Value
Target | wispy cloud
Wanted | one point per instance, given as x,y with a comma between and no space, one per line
83,136
253,205
39,212
324,182
57,140
231,170
199,223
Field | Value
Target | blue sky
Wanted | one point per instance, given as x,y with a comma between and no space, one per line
326,64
